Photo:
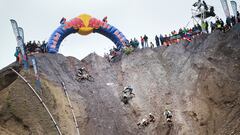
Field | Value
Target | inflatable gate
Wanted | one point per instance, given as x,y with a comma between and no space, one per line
84,25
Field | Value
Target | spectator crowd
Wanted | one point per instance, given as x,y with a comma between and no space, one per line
36,47
176,36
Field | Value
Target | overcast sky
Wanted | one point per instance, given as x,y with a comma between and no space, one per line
133,17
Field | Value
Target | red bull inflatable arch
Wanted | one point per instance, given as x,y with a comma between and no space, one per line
84,24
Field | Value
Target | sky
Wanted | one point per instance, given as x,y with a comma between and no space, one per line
39,18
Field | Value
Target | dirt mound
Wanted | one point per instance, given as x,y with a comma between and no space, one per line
198,82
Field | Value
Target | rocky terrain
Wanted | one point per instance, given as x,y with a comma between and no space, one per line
199,82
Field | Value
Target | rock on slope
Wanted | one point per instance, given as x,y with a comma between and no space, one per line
199,83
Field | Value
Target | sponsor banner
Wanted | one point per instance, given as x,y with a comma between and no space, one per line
225,7
234,7
21,33
20,42
37,79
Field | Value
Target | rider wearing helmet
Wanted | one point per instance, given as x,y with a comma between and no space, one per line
128,89
81,70
168,115
151,118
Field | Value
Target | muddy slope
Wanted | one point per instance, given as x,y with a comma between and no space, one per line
200,83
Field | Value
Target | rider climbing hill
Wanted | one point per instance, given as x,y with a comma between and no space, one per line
82,74
128,90
168,115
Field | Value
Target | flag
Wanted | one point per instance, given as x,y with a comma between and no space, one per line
15,28
20,42
35,68
234,7
21,33
225,7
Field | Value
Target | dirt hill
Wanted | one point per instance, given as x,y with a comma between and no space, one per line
199,83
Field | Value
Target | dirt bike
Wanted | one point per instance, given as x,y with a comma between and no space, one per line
126,97
85,77
143,124
169,122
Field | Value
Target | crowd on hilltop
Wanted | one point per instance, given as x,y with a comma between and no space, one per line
176,36
30,48
36,47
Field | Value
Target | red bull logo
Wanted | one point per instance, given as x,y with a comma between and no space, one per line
75,23
85,24
95,23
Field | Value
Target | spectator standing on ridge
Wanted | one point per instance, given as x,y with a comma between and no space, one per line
131,42
135,43
145,40
180,32
218,24
142,41
161,39
38,44
194,29
233,20
151,45
207,26
212,25
222,23
44,47
157,41
228,22
32,47
199,28
204,27
238,17
165,39
185,31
